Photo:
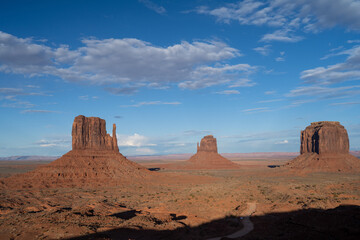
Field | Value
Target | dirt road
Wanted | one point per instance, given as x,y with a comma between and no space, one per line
248,225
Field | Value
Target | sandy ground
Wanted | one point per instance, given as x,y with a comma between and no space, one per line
193,204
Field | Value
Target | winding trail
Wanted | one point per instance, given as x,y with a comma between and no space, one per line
248,225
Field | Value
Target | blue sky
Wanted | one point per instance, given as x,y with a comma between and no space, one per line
252,73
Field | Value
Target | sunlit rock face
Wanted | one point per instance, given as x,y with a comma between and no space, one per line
207,144
90,133
324,137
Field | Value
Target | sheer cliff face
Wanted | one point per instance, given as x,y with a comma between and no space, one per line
207,144
324,137
90,133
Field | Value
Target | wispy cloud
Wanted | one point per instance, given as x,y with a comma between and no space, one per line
308,15
265,50
18,104
242,82
256,110
340,72
271,100
86,97
279,59
63,142
353,41
270,92
151,5
324,91
140,104
38,111
344,103
20,91
125,64
281,36
228,92
122,90
196,132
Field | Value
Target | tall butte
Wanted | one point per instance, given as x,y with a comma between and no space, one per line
94,160
207,156
325,148
90,133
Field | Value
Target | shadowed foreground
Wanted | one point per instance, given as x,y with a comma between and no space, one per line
342,222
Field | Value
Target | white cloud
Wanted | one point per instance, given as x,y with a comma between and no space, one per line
271,100
196,132
340,72
315,92
281,36
247,12
353,41
270,92
282,142
15,103
207,76
128,62
62,142
38,111
309,15
344,103
279,59
140,104
265,50
149,4
243,82
145,151
256,110
135,140
228,92
87,97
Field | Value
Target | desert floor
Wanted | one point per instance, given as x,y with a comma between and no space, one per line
192,204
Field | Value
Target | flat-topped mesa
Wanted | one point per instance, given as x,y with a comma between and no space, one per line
207,144
90,133
324,148
324,137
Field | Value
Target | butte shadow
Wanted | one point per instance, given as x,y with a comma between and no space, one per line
342,222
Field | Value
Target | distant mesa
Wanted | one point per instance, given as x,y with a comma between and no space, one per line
207,156
94,160
325,147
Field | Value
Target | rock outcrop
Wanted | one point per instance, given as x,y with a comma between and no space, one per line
90,133
207,144
324,137
325,147
207,156
94,161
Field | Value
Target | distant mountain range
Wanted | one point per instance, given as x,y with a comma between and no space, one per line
184,156
29,158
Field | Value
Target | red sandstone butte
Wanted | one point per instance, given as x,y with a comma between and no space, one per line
90,133
94,160
325,147
207,156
